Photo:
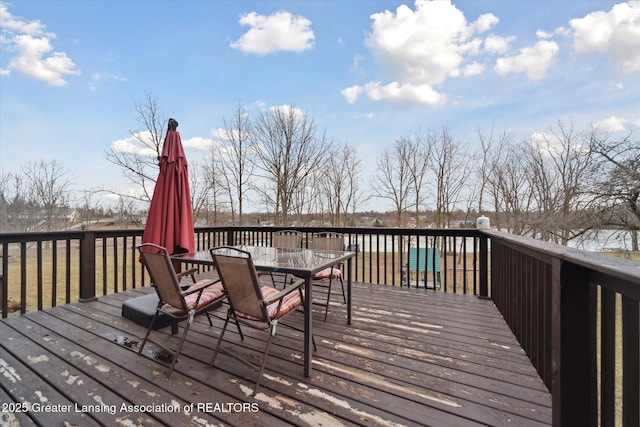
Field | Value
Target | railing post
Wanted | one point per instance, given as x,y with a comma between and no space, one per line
484,266
3,289
88,267
231,241
573,348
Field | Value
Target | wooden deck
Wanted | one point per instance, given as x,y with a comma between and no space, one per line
411,358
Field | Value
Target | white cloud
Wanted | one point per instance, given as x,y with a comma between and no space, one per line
497,44
473,69
534,61
611,124
281,31
288,110
37,60
418,49
35,56
16,25
197,143
133,145
352,93
485,22
355,65
404,94
543,34
107,76
97,79
615,34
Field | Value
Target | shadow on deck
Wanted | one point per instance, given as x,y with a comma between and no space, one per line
411,357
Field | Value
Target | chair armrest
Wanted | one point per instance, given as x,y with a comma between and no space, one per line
188,272
196,288
283,293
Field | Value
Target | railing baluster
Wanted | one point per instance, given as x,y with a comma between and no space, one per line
67,267
54,273
4,279
630,356
607,356
38,274
23,276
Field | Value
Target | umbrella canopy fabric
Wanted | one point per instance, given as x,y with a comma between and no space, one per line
170,219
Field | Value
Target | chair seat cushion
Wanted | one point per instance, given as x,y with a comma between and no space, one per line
209,295
289,303
328,273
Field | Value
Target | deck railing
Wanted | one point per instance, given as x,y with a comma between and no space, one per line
42,270
576,314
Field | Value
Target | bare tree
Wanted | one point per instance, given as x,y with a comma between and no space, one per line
289,149
510,188
236,157
339,183
124,210
140,164
417,159
199,188
393,179
355,195
503,182
217,187
16,213
492,146
451,166
617,193
561,167
48,183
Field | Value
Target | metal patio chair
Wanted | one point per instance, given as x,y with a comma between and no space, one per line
257,306
173,300
286,239
324,279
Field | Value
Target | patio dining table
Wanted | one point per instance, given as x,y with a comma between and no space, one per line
303,263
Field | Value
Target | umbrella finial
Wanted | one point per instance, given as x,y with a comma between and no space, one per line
173,124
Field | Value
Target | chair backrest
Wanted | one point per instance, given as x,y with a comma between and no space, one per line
289,239
329,241
240,280
163,275
418,256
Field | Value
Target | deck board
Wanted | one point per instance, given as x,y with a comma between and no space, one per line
411,357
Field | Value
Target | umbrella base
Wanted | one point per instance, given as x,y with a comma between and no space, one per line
141,311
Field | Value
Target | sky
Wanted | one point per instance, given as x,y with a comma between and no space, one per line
369,72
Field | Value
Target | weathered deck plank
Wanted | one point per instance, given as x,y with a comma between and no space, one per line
411,357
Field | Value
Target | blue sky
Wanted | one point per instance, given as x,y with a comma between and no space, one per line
370,72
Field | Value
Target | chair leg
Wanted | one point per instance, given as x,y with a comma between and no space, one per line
215,352
240,331
326,307
264,358
344,294
177,352
208,317
146,337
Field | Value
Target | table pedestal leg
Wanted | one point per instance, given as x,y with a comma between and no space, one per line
308,327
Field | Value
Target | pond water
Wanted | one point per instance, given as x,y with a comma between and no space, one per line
604,240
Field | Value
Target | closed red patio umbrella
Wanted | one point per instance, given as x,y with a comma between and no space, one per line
170,219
